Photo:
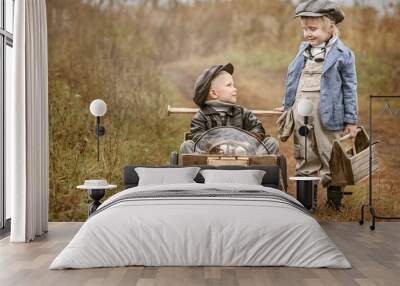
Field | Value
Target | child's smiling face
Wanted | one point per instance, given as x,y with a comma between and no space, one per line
223,88
316,30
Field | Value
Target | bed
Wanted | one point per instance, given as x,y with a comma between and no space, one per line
201,223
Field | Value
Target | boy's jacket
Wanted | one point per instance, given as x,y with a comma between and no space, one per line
237,116
338,104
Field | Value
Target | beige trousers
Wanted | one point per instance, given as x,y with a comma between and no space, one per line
319,139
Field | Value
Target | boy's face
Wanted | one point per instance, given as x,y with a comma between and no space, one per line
315,30
223,89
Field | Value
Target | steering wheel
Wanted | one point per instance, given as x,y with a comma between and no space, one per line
232,147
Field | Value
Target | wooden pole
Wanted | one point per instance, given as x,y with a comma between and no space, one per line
184,110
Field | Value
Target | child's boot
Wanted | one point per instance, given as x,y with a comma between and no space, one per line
334,198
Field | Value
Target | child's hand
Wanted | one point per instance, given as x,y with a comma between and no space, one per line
258,136
351,129
279,109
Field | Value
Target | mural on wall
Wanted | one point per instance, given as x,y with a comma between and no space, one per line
140,56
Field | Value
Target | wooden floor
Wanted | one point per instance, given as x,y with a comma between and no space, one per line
375,256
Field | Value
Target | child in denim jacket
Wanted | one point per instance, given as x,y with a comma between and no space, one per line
323,72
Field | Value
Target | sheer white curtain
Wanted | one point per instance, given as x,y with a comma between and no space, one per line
27,124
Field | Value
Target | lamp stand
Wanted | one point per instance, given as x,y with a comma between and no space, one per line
100,131
370,205
305,138
304,131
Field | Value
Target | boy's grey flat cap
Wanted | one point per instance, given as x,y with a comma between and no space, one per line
203,82
318,8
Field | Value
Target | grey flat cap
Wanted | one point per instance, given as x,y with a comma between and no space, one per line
203,82
318,8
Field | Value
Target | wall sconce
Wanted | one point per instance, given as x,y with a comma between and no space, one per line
98,108
305,108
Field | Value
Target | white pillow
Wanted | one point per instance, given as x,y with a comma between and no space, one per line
165,176
248,177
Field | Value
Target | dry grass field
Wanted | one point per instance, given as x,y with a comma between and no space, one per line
140,58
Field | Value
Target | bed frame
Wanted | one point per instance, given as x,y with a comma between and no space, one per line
272,177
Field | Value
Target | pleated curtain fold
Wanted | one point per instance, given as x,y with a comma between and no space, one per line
27,147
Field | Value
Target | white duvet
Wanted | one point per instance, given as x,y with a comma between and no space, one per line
183,231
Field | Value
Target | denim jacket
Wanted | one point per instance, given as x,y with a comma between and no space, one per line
338,103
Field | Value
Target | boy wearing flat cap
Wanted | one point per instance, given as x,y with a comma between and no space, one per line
323,72
216,95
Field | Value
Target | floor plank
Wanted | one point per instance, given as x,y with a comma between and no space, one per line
374,255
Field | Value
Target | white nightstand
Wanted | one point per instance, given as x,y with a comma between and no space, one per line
96,190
